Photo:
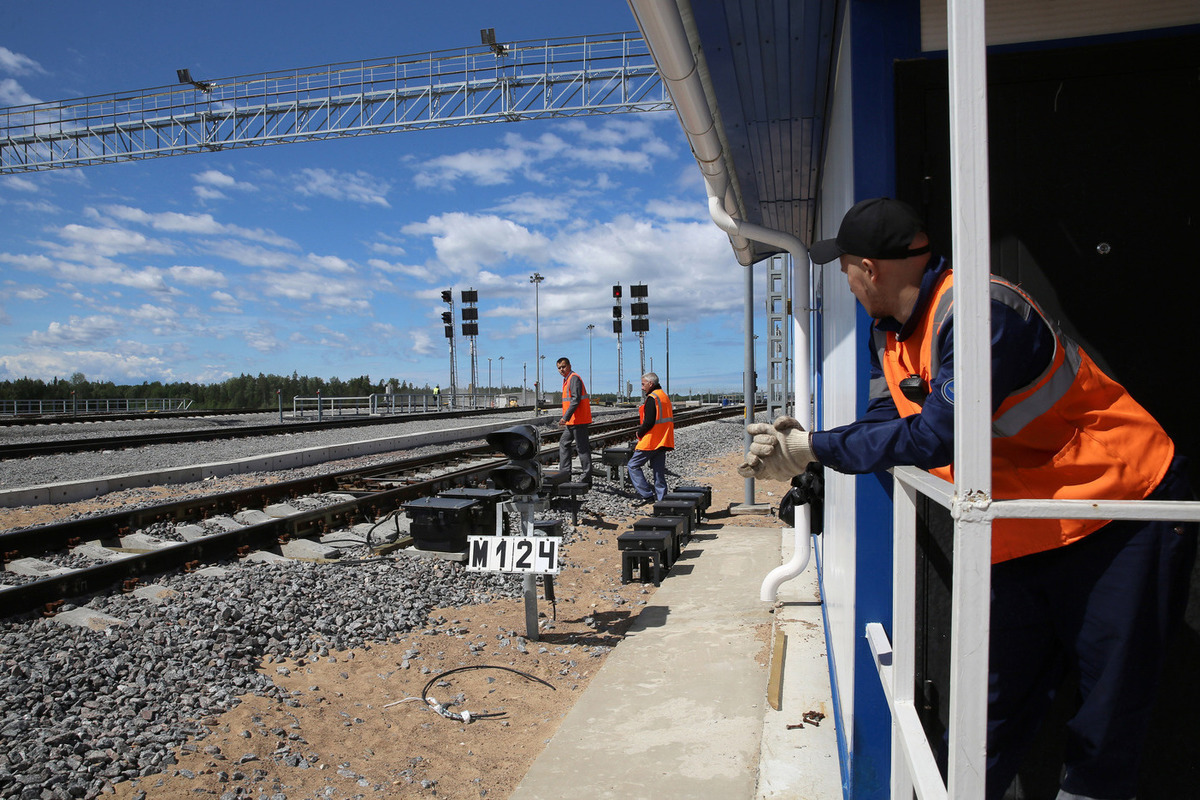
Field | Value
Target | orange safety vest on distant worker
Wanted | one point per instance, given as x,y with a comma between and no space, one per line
1073,433
583,411
662,435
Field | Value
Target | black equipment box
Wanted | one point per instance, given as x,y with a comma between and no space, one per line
488,499
689,508
701,489
444,523
617,455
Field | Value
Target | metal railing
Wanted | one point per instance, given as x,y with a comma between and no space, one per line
605,74
385,404
913,764
98,405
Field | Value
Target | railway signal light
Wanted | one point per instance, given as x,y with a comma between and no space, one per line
447,297
522,475
617,292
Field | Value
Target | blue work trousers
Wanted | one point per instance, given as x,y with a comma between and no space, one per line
1102,608
658,465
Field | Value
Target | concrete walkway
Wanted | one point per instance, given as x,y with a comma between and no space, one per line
679,709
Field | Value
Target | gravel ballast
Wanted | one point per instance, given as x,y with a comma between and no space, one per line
87,708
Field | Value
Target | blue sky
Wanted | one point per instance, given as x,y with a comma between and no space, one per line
328,258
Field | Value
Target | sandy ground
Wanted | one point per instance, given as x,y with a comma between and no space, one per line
359,728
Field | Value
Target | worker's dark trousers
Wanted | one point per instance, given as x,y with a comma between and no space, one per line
1103,608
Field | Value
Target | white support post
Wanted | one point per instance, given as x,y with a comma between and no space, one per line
972,397
904,603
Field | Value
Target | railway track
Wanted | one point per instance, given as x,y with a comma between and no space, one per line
361,495
27,449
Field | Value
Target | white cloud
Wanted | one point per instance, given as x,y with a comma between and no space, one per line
357,187
412,270
465,242
17,183
99,365
261,339
85,243
333,264
421,343
534,208
629,145
77,331
212,185
225,303
12,94
194,224
197,276
18,64
30,293
317,292
219,180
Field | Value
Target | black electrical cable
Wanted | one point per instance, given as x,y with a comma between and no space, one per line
394,514
467,716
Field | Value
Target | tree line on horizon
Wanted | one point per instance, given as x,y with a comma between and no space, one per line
244,391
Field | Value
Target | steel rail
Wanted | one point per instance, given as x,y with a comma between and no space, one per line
48,592
27,449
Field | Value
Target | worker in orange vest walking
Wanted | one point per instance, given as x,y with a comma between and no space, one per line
575,422
656,435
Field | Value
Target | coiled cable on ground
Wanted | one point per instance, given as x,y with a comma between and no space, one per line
467,716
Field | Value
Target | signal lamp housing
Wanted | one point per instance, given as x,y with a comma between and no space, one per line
520,444
520,477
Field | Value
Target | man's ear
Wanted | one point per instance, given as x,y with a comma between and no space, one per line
871,267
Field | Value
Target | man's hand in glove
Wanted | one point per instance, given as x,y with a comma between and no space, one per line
778,452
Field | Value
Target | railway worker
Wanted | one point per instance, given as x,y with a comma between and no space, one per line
437,397
575,422
655,436
1067,596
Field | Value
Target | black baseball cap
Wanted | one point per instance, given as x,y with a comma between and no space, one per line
877,228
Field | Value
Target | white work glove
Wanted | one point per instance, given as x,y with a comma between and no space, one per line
779,452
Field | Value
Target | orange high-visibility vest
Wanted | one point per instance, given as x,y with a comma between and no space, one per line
662,434
583,411
1073,433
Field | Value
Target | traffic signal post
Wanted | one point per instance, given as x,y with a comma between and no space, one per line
527,552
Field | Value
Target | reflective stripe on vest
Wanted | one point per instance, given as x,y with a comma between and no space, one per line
583,411
1071,433
662,434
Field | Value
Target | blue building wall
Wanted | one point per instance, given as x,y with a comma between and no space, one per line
881,31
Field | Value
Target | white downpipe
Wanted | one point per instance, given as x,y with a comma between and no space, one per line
661,24
802,550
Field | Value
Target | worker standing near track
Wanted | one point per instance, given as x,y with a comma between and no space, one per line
656,435
576,421
1095,598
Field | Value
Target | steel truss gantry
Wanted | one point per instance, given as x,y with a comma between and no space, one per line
607,74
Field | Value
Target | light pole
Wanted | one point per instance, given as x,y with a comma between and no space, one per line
524,380
501,359
493,394
536,278
591,328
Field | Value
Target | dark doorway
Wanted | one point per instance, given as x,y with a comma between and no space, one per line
1095,203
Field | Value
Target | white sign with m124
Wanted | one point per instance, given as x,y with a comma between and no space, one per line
513,554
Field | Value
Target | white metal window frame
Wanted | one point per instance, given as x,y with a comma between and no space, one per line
969,498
